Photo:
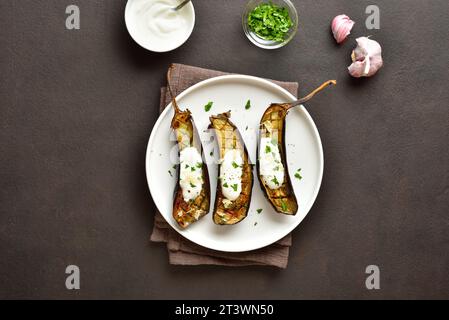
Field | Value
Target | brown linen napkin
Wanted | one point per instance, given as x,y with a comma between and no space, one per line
184,252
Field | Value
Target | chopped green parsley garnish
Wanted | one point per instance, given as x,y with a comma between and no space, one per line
270,21
259,211
248,105
298,174
284,206
208,106
267,149
235,187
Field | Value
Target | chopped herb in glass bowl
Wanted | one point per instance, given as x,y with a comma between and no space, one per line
270,24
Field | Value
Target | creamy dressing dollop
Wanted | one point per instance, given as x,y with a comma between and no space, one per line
270,164
231,175
191,173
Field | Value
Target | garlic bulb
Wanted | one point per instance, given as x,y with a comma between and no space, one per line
366,58
341,27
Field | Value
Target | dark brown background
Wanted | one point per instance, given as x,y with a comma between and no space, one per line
77,108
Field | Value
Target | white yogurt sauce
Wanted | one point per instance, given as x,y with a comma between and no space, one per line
156,26
191,173
270,164
231,175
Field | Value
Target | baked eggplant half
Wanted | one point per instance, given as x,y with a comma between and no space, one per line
235,182
192,193
272,165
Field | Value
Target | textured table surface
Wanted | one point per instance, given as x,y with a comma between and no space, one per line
77,108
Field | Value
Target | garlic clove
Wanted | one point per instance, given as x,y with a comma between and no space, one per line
341,27
366,58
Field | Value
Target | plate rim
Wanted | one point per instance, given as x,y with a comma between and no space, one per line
275,86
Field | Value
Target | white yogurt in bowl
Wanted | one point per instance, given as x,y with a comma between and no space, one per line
155,26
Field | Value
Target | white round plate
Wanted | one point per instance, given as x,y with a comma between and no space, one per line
304,151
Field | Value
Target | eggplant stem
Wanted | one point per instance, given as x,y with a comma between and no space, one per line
312,94
175,104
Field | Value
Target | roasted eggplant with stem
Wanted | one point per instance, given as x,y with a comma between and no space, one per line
192,193
272,166
235,182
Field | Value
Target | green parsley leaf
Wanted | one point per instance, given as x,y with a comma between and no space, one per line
248,105
225,185
298,174
199,165
192,185
267,149
235,165
208,106
235,187
284,206
275,181
259,211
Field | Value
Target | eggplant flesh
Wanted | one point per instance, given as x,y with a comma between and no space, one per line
186,213
228,212
272,126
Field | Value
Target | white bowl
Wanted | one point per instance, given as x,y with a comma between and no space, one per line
158,46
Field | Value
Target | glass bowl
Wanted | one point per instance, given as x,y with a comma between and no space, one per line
270,44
